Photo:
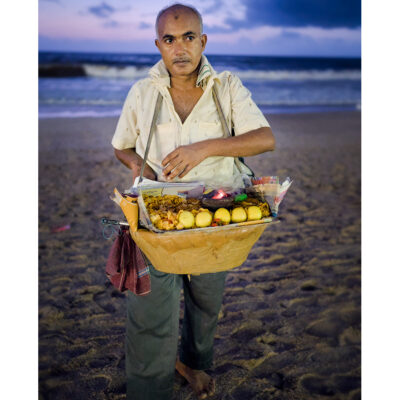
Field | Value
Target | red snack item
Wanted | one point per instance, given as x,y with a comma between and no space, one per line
264,179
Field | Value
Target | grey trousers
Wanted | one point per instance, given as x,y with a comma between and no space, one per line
152,331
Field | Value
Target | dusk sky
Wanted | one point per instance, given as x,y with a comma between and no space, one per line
254,27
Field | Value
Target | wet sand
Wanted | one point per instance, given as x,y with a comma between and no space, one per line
289,326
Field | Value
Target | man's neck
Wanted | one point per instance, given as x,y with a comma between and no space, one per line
184,82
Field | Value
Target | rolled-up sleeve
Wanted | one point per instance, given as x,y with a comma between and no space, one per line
126,133
246,116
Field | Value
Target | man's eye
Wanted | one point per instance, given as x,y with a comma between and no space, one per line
190,38
168,41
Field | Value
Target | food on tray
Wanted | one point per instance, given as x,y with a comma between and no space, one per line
269,189
164,220
265,209
254,213
203,218
170,203
239,214
222,215
170,212
264,179
186,219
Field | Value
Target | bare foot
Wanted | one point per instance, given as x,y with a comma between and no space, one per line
202,384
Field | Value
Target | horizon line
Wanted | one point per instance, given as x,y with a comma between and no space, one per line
211,54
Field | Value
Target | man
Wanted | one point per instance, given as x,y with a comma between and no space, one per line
188,145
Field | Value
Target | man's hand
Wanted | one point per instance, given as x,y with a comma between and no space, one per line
148,173
133,161
183,159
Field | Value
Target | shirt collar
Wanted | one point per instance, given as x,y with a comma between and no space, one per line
160,75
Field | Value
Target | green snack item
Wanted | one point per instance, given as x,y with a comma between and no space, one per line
241,197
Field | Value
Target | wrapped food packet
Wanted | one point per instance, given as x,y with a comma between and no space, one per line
267,188
129,207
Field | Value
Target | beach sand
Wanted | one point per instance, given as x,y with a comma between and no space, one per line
289,327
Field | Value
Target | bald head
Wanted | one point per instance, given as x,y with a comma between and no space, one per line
178,11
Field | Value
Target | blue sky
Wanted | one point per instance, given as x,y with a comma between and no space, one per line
259,27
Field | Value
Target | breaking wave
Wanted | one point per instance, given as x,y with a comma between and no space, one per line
305,75
132,72
106,71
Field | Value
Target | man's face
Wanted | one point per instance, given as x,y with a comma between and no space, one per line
180,42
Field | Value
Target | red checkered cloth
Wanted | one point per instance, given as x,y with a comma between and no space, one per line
126,266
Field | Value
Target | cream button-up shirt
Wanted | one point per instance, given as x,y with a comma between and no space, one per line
203,123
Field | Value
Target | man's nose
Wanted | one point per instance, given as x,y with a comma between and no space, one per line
180,47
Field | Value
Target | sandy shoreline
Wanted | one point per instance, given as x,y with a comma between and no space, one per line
290,323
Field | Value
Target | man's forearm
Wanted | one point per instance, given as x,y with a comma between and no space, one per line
133,161
249,144
184,158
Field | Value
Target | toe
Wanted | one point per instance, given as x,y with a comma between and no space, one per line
211,386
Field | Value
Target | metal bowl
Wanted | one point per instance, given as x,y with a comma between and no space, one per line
214,204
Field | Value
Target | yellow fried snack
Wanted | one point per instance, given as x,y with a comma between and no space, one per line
203,218
254,213
223,215
239,214
186,218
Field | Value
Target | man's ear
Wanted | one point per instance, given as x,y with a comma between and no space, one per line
157,43
203,40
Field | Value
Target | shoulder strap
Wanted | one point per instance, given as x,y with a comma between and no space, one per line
227,132
152,129
222,118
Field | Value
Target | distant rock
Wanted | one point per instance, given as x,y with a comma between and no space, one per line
60,70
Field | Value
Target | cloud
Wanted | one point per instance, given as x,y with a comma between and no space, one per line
265,33
253,35
145,25
301,13
103,10
215,6
216,29
296,25
316,33
111,24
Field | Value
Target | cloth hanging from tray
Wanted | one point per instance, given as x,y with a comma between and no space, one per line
126,266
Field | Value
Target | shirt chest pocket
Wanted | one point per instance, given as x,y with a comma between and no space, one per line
208,130
164,141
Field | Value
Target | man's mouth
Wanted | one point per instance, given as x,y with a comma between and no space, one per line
181,61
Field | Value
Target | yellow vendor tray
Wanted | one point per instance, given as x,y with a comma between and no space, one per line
194,251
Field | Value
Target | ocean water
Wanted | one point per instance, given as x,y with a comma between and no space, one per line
96,84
